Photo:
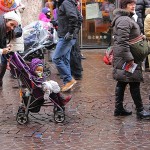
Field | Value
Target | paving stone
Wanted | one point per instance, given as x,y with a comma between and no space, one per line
89,124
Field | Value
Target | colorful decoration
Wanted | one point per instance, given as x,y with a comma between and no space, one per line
8,5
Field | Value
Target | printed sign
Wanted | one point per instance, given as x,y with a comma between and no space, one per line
93,11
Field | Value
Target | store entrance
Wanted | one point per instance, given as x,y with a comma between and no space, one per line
96,31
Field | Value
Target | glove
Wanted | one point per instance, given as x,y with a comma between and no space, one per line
68,36
76,30
55,23
46,86
47,94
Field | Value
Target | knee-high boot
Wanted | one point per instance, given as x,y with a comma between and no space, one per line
119,109
136,96
2,72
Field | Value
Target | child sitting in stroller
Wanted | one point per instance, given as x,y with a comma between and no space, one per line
51,88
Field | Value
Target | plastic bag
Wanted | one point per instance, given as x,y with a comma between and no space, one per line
35,35
108,56
55,37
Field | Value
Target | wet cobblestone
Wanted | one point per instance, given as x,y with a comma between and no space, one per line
89,124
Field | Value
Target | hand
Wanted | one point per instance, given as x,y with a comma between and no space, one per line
6,50
68,36
144,37
55,23
76,30
131,62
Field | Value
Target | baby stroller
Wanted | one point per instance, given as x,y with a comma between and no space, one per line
38,40
32,99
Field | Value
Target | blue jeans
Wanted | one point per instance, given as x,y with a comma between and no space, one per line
61,58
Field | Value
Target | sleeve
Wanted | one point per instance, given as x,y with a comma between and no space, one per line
80,19
147,27
71,13
123,31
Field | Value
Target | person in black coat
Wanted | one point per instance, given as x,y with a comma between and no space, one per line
141,6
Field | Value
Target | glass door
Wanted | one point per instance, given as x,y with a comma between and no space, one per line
96,31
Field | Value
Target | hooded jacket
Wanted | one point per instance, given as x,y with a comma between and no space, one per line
124,29
141,6
147,24
67,17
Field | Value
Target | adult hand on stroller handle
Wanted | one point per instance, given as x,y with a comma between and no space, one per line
6,50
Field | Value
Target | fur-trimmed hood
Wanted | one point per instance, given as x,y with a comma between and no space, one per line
147,11
120,12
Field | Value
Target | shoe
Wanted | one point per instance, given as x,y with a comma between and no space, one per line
68,85
67,99
77,77
1,83
143,114
83,57
122,112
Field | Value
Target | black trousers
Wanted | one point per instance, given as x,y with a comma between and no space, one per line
135,93
75,60
146,63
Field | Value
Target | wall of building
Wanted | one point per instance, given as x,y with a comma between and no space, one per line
31,12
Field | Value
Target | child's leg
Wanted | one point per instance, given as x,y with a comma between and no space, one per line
63,101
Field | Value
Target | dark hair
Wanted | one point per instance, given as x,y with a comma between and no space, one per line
124,3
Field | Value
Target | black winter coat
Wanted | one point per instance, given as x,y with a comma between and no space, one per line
124,29
141,6
67,17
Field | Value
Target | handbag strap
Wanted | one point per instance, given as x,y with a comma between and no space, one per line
136,40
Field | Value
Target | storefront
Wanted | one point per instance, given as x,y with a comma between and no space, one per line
96,31
97,16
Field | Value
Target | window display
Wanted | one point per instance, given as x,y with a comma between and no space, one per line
97,14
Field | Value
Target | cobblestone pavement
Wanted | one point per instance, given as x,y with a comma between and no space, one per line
89,124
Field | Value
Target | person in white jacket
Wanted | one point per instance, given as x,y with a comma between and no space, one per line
8,22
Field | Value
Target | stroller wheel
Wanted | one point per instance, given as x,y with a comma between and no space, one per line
59,116
22,118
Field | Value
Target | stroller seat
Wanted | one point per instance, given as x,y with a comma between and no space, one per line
33,95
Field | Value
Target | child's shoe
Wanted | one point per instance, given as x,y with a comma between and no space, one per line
63,100
66,100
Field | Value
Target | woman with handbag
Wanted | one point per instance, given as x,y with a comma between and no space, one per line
124,30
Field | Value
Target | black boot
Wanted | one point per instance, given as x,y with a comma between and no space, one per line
2,72
119,110
136,96
143,114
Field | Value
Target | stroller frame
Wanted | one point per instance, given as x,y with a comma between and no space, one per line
22,73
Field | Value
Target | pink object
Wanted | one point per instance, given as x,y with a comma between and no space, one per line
43,17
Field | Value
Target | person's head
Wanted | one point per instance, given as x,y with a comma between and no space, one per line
12,20
128,5
36,67
47,12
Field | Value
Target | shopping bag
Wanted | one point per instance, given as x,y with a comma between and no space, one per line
108,56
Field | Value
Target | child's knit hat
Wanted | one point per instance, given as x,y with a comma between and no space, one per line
35,63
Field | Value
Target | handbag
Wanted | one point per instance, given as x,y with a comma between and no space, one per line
107,59
139,48
18,31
